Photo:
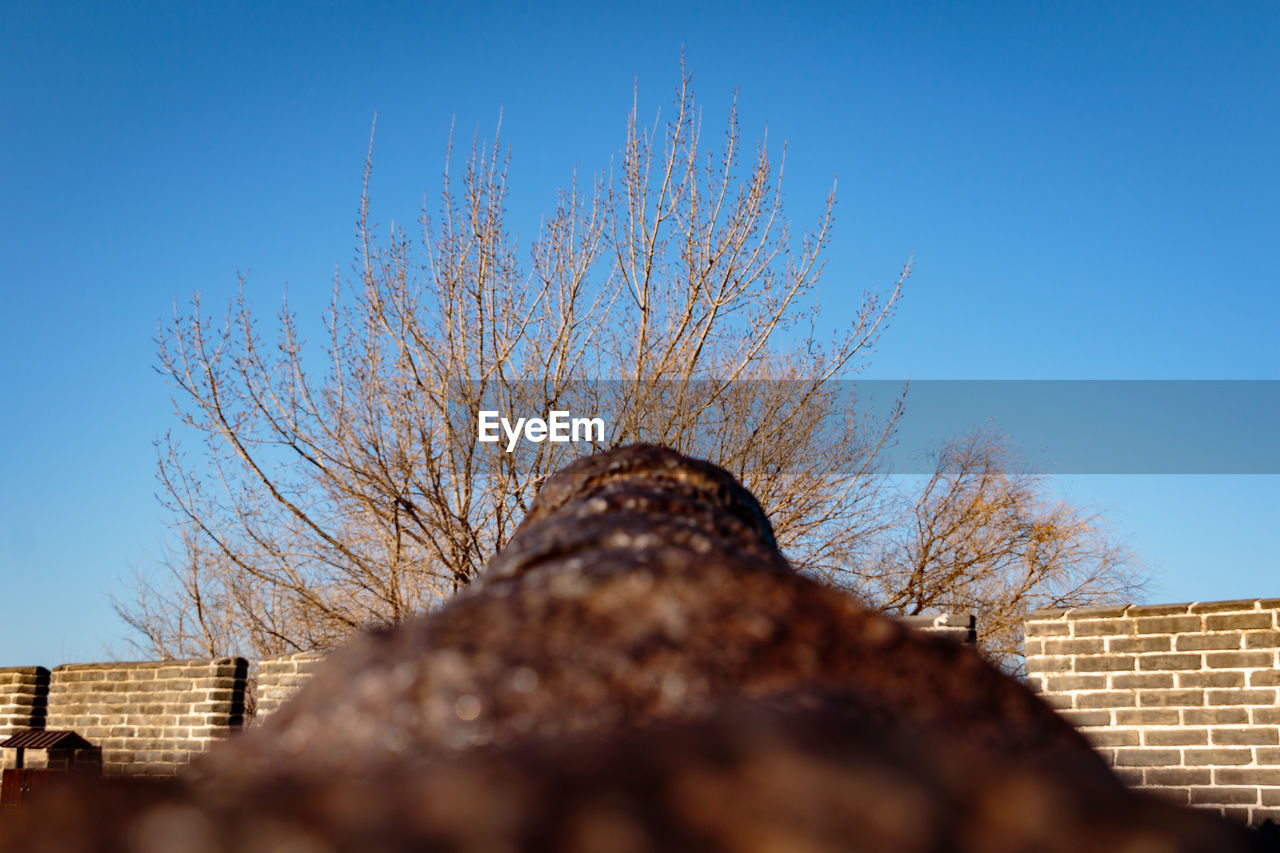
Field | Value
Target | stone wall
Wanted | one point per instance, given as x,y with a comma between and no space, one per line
280,676
150,717
1180,698
24,695
961,627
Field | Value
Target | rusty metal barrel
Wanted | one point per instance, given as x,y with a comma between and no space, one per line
640,669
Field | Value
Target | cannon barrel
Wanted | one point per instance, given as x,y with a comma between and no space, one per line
640,669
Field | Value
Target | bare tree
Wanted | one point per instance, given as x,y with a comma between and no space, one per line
981,536
347,486
344,484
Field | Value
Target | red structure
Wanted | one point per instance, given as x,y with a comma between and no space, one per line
67,751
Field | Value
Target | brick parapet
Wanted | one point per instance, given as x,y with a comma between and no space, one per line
1136,610
280,676
24,694
961,627
148,717
1180,698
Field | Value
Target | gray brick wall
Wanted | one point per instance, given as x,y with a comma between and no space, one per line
1180,698
149,718
23,698
961,627
152,717
24,693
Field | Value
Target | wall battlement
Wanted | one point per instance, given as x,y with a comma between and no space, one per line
1181,699
148,717
152,717
24,698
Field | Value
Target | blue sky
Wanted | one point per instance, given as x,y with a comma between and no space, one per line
1089,190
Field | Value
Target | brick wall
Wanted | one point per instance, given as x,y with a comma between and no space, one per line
956,626
1180,698
280,676
23,699
24,693
151,717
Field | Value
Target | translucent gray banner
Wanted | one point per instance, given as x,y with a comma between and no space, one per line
1054,426
1098,426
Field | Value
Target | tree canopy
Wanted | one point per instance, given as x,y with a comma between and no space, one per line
317,488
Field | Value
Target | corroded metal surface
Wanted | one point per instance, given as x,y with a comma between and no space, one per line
640,669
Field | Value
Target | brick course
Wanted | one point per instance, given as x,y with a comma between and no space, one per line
1181,698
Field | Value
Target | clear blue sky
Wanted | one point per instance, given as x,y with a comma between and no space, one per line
1090,190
